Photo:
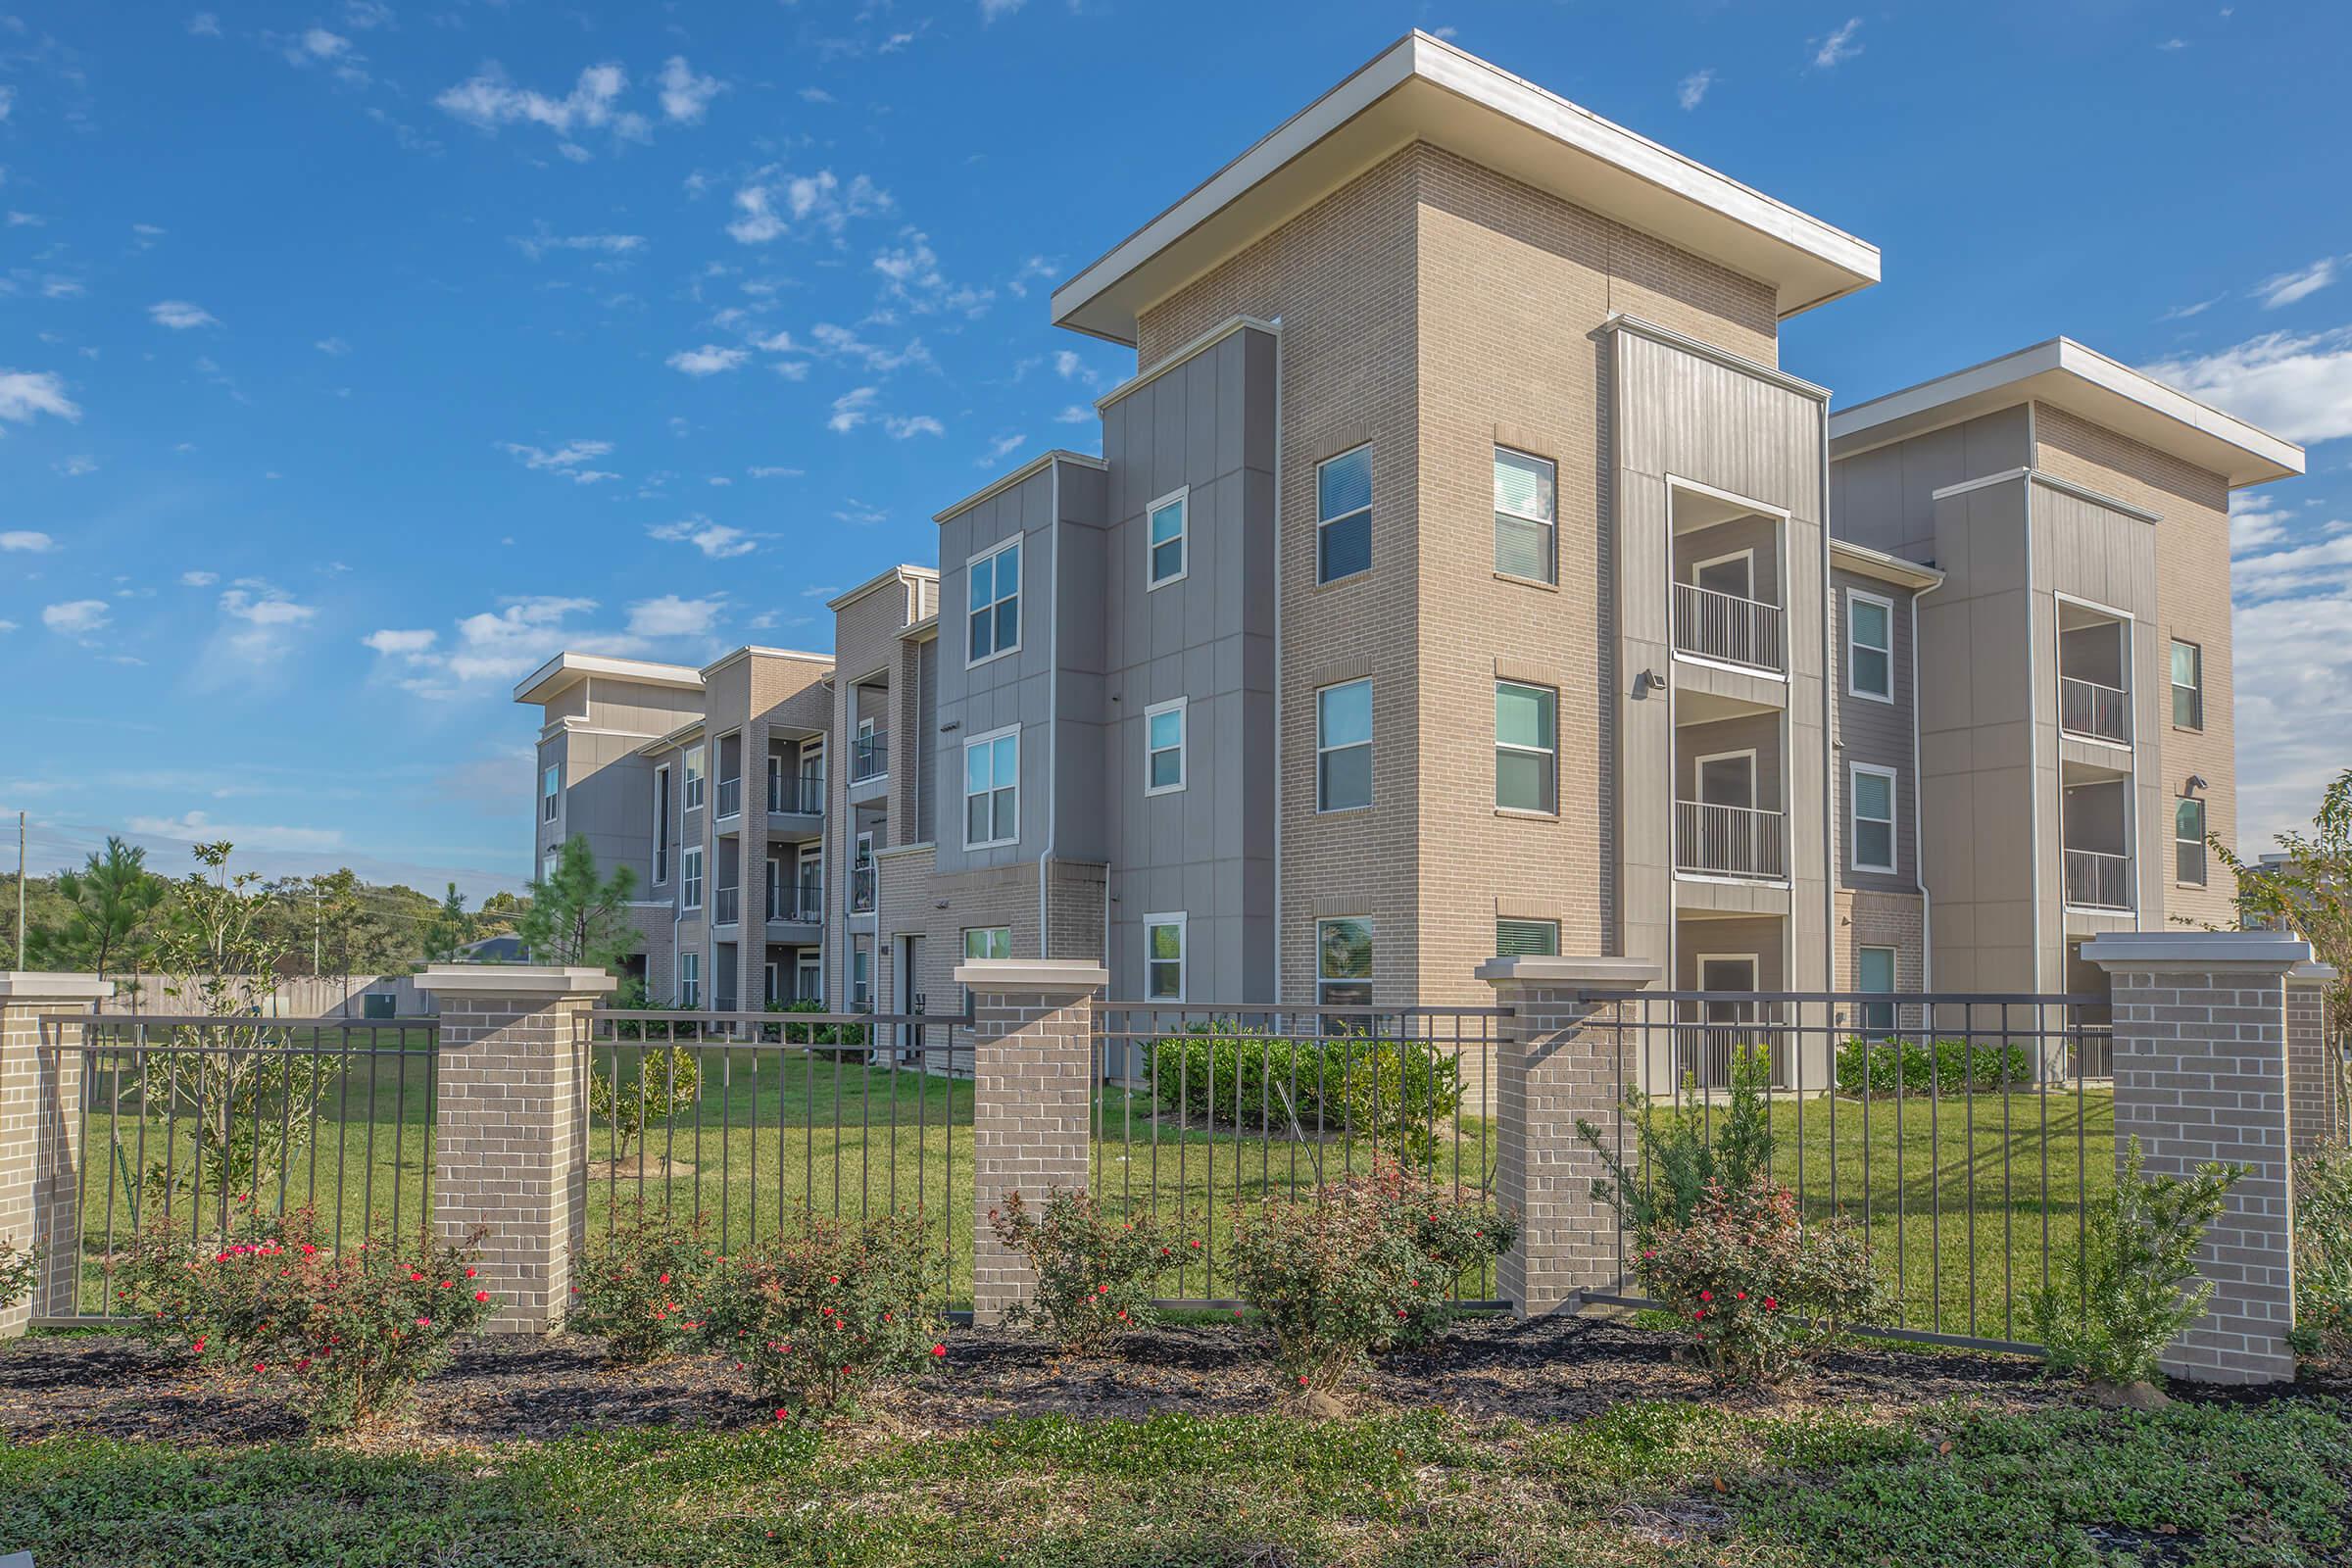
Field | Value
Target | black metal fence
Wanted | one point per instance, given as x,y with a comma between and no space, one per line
1202,1108
754,1121
171,1126
1966,1136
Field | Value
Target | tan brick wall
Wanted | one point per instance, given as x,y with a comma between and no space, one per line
2314,1099
40,1153
2192,600
1871,919
1032,1086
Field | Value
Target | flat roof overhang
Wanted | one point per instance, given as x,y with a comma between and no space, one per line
1424,89
565,669
2069,375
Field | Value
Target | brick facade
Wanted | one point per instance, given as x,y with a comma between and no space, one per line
2315,1092
40,1155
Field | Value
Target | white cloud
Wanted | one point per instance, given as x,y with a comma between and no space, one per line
715,540
6,627
910,273
2299,385
1075,413
411,645
672,616
685,96
204,25
521,635
991,10
538,245
1037,268
334,347
852,408
2289,287
199,579
771,201
770,471
195,827
902,426
999,449
76,467
2295,570
840,342
16,220
2255,522
489,99
572,460
1692,91
861,513
2170,44
2294,661
266,619
2181,312
7,101
26,393
1838,47
30,540
321,44
179,315
709,359
77,617
816,95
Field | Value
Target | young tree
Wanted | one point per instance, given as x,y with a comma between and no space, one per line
450,928
113,898
2309,890
574,919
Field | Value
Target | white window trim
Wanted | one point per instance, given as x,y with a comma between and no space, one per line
551,802
695,770
1182,497
1183,761
690,878
1852,596
1550,525
963,794
1322,522
661,827
1020,580
2172,688
1371,930
1553,752
1371,736
1748,554
690,973
2204,852
1699,777
1502,920
1854,816
967,933
1184,955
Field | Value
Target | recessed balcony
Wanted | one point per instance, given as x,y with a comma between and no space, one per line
1728,840
1728,628
2097,881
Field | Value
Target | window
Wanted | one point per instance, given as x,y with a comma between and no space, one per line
1166,553
1344,747
690,893
2188,842
1526,511
992,789
694,778
662,823
995,603
862,979
689,980
1163,748
548,863
550,788
1874,972
1163,958
1527,939
988,941
1727,778
1874,818
1527,771
2188,687
1343,516
1343,963
1733,575
1869,645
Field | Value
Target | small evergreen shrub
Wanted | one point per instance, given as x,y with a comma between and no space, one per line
640,1287
1677,1161
1868,1067
1392,1094
1096,1272
1361,1266
2127,1292
1758,1288
818,1317
2322,1189
20,1271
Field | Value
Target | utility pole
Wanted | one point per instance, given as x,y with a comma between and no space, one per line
20,890
315,920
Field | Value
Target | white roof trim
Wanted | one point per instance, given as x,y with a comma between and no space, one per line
1027,470
1864,562
1192,350
561,668
1610,169
2066,374
754,651
902,573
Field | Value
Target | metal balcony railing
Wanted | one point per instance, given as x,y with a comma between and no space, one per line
1726,626
2095,880
1728,841
2087,708
730,797
861,890
803,904
803,796
869,756
726,906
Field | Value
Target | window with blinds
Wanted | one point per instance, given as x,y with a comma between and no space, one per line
1527,939
1526,515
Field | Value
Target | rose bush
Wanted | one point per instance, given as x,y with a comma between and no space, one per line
1097,1273
20,1271
640,1286
1361,1266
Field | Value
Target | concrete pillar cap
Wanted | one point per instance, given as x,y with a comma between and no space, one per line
1031,974
2311,975
2269,951
36,985
514,980
1604,974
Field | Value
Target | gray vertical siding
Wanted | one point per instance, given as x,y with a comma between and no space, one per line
1884,498
1875,733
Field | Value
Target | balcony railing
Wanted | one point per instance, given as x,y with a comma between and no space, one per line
1726,626
803,796
2087,708
803,903
726,906
861,890
869,756
730,797
1728,841
2098,881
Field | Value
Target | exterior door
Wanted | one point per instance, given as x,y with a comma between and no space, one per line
1722,1035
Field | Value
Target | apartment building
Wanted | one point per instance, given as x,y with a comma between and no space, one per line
1462,573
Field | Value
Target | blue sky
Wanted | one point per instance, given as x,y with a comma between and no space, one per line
356,355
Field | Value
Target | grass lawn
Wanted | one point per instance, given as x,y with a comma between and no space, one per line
1645,1483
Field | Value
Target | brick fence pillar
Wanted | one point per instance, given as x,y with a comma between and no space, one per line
507,1151
1033,1083
1559,1059
2200,1074
40,1155
2314,1095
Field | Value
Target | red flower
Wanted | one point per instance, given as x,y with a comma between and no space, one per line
469,1273
938,1350
1770,1304
424,1322
481,1295
665,1279
783,1415
1706,1296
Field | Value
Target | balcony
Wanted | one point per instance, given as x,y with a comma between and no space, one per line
803,796
1735,841
2093,711
861,890
869,756
726,906
730,797
801,905
1727,627
2098,881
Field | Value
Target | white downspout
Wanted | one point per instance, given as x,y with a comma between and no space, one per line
1044,858
1919,825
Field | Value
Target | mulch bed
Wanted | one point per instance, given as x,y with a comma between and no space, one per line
1555,1369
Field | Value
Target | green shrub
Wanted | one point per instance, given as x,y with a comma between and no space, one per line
1867,1068
1758,1288
817,1317
1358,1265
847,1036
1392,1094
19,1272
2322,1189
640,1287
1096,1272
666,1081
2125,1293
1677,1161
